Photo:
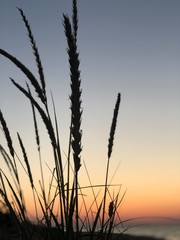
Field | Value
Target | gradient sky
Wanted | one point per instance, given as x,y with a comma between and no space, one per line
127,46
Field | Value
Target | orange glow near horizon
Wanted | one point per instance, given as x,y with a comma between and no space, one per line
126,211
147,195
132,206
149,198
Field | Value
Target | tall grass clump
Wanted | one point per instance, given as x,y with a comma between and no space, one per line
64,189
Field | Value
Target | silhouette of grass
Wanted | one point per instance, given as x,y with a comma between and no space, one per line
68,223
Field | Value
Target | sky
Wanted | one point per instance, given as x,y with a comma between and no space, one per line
126,46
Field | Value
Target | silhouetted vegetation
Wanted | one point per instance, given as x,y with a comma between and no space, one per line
64,187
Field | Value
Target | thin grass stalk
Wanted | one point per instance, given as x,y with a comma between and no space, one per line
8,138
68,166
7,134
47,121
110,147
20,205
13,172
75,19
18,186
75,93
39,151
36,54
94,223
43,115
86,211
40,91
16,208
9,164
45,206
118,204
91,186
58,147
50,185
35,121
60,192
43,210
60,185
12,152
68,203
28,171
96,219
111,220
70,228
113,175
113,126
111,213
27,72
60,174
35,205
37,142
75,106
52,202
3,185
26,160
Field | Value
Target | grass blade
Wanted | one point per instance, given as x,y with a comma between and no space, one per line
45,119
26,160
27,72
110,147
36,53
113,125
75,19
19,204
7,134
75,93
